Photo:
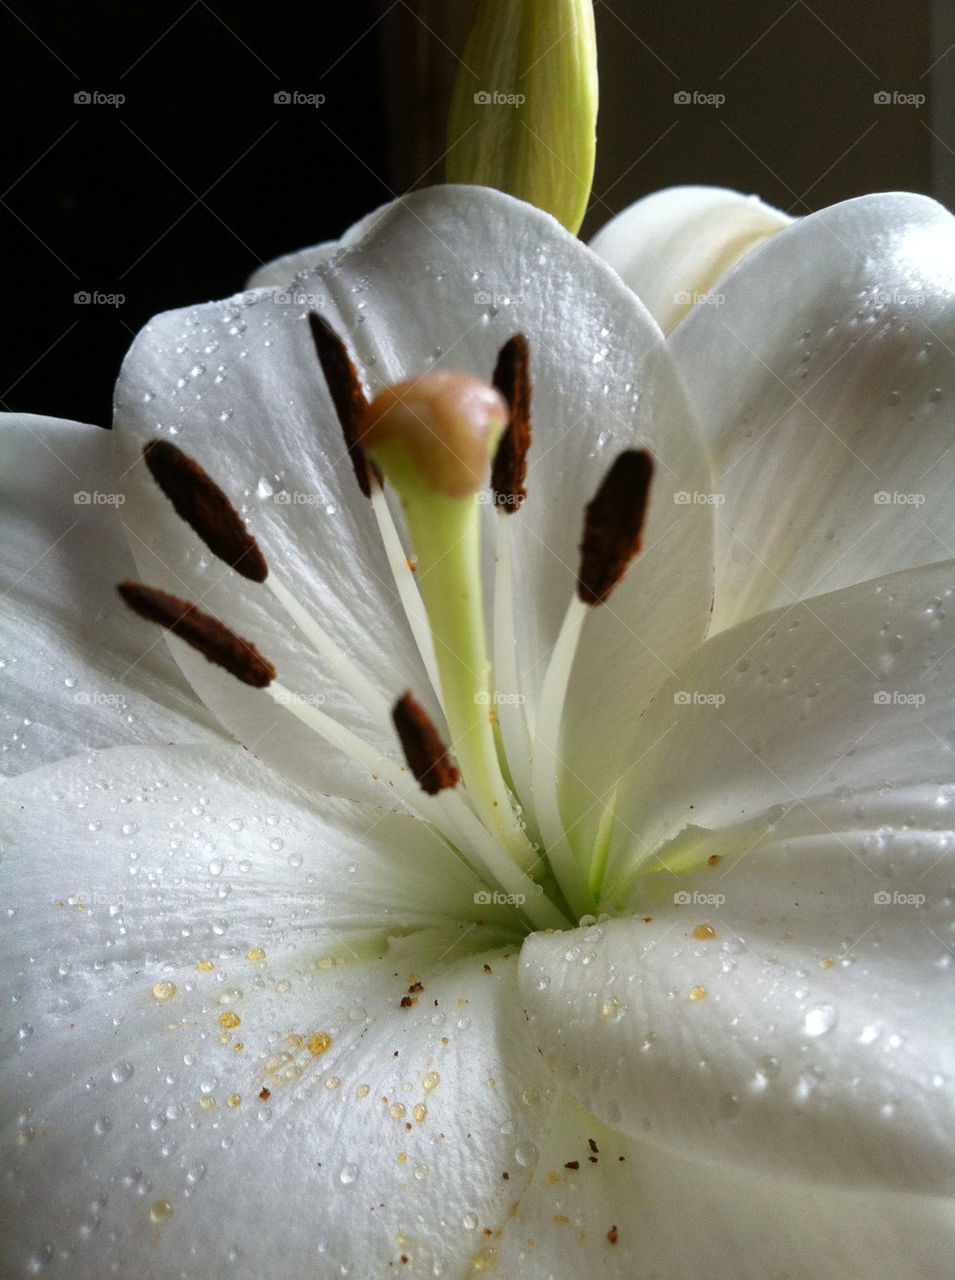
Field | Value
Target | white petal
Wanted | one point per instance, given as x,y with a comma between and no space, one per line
239,385
280,274
77,670
284,1103
824,385
811,1041
673,246
785,1008
837,696
633,1209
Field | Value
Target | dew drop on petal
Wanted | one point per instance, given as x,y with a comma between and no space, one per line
820,1020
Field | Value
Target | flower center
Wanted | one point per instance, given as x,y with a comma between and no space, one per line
433,439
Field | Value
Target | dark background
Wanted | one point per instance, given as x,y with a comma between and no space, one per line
177,193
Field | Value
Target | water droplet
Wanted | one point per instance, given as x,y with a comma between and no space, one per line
820,1021
526,1154
348,1175
160,1211
121,1072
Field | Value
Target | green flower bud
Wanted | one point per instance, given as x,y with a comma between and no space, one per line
524,111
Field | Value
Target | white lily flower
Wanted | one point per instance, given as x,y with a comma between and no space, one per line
268,1018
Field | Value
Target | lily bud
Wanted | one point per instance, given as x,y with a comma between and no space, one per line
524,111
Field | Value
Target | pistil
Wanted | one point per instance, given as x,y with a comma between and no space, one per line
433,438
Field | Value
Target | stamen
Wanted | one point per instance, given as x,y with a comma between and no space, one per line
201,503
512,379
426,754
212,638
345,389
451,816
613,525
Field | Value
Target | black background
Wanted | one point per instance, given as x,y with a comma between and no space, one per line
179,193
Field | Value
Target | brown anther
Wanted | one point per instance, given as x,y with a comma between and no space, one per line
426,754
212,638
347,396
512,379
613,525
201,503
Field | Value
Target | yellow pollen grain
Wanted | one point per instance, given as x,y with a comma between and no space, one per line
204,966
283,987
484,1260
402,1157
704,932
207,1103
295,1041
255,954
397,1111
553,1178
431,1081
609,1007
229,1020
160,1211
332,1082
164,991
698,993
561,1219
363,1091
826,962
233,1100
420,1113
319,1043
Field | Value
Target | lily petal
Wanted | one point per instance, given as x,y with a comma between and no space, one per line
672,247
808,968
266,1052
76,674
602,1204
823,383
839,694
